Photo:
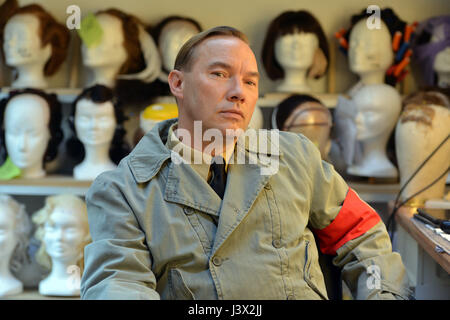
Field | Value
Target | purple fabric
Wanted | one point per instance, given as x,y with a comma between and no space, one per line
425,54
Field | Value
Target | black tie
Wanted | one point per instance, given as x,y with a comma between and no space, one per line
218,178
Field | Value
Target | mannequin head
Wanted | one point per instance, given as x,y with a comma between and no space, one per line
62,228
97,119
422,126
375,119
34,43
170,35
308,116
15,228
370,52
125,48
432,52
295,39
31,129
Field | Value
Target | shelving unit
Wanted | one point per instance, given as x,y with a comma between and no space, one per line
55,184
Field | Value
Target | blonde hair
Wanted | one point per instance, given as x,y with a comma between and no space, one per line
43,215
22,230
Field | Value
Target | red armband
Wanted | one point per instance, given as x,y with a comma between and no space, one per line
353,220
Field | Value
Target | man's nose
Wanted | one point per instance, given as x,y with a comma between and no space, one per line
236,93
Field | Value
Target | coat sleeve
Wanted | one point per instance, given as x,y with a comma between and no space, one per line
353,232
117,262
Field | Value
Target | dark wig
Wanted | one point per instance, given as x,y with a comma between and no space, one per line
394,24
287,23
99,94
54,125
288,105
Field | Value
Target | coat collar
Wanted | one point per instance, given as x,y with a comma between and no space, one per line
150,153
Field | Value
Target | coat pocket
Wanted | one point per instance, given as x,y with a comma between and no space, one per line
177,287
307,272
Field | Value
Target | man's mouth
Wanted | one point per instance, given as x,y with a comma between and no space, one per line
235,113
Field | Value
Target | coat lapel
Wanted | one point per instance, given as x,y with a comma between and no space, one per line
186,187
244,184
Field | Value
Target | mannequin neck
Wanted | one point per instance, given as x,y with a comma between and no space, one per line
374,148
34,171
372,77
5,272
443,79
294,81
97,154
30,75
105,75
59,268
374,161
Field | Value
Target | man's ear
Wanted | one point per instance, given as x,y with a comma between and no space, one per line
176,83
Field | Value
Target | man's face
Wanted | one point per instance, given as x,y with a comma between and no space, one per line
221,87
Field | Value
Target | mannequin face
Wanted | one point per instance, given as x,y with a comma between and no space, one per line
64,234
369,50
110,51
172,38
8,239
26,129
22,42
375,116
315,124
296,50
95,123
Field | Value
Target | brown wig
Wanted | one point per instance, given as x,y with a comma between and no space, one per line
54,125
286,23
99,94
135,61
50,32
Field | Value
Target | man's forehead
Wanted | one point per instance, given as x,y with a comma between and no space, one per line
216,48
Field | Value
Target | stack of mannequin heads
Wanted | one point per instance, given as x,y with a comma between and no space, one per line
30,130
305,114
98,139
423,132
365,119
62,230
34,44
295,49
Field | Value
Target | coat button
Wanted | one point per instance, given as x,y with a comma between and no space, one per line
276,243
188,210
217,261
267,186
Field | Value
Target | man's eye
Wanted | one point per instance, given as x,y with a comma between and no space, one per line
252,83
219,74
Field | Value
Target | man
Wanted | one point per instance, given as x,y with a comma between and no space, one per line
165,225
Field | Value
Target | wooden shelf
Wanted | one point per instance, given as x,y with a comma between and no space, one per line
55,184
50,185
